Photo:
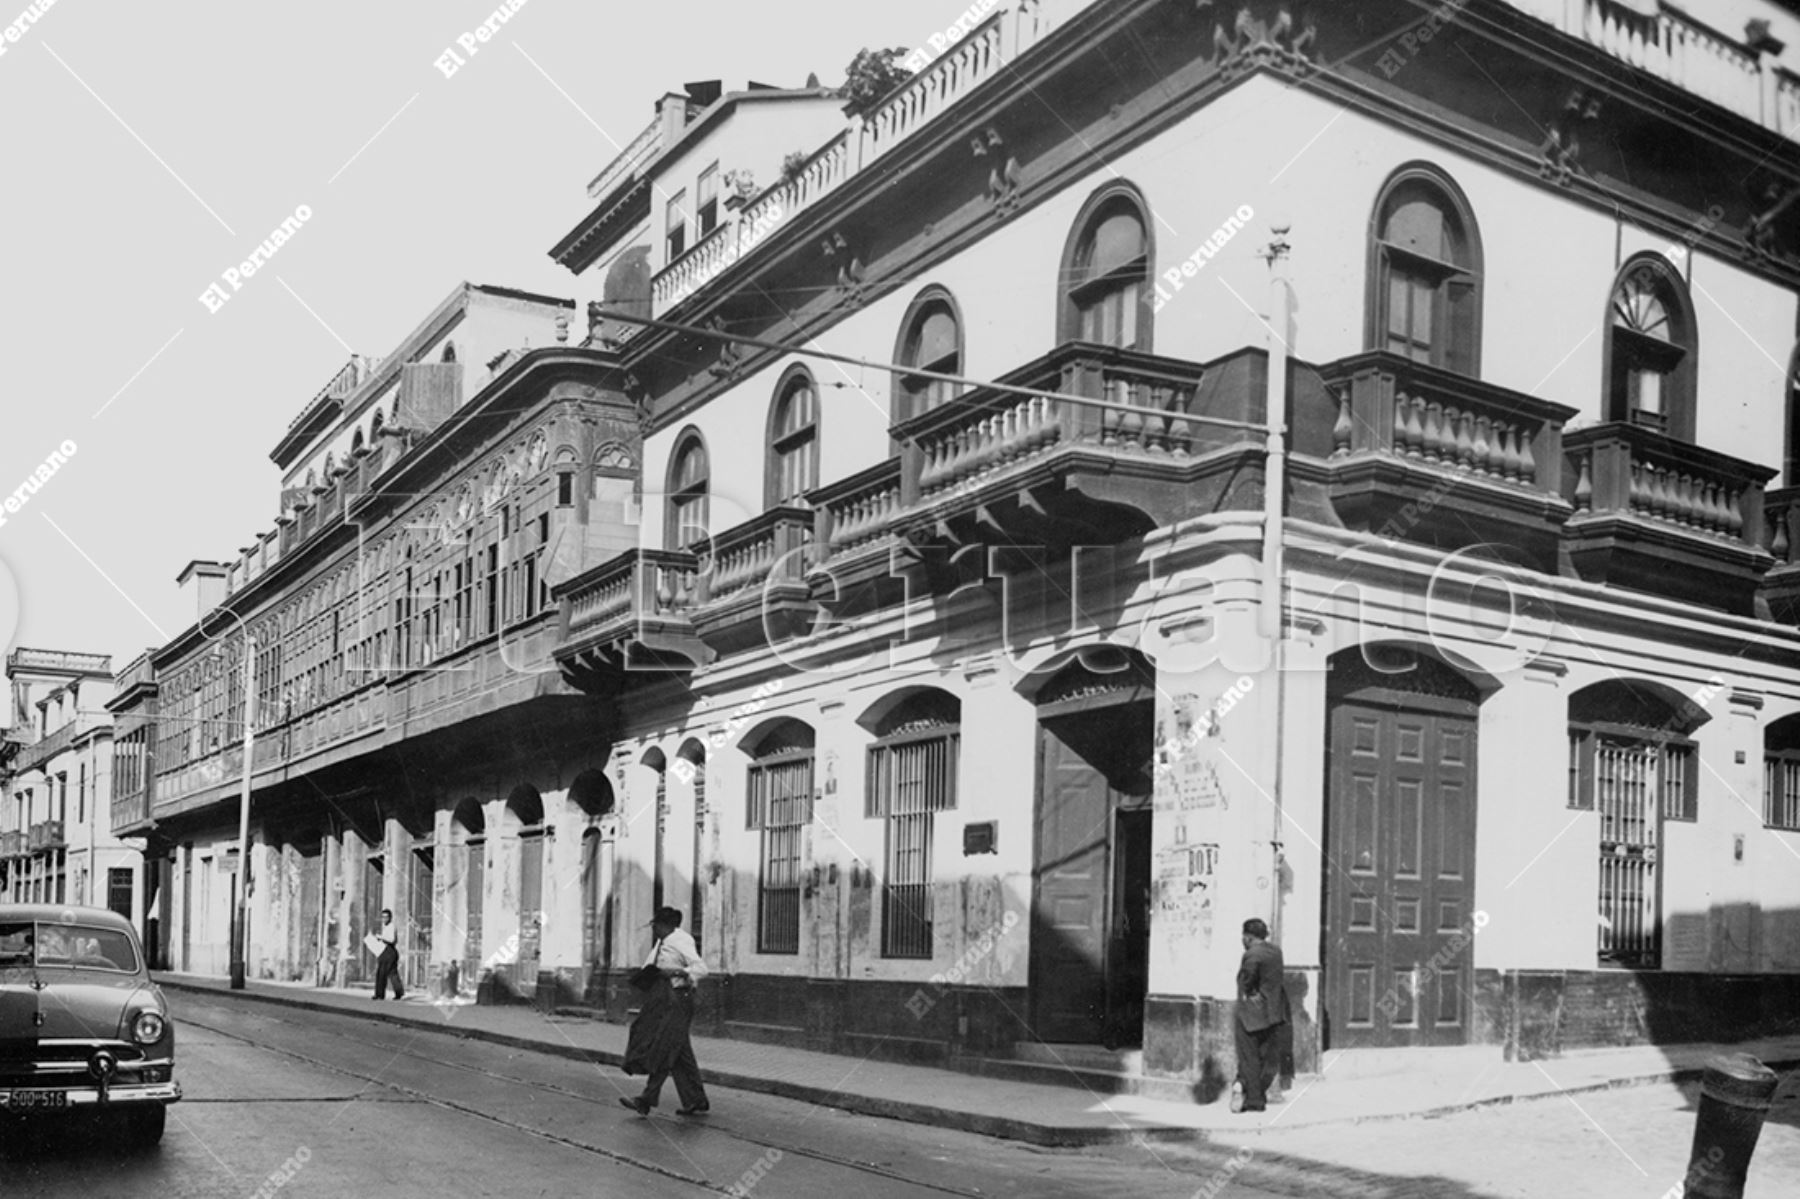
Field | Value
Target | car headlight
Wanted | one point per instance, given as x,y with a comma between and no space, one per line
148,1028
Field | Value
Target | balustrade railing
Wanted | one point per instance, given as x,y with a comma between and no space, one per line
980,55
637,585
1621,468
985,430
1678,49
1781,518
1391,405
645,144
742,559
973,60
858,511
704,259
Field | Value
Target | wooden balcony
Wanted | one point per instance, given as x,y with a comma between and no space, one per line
45,835
633,613
752,580
1658,515
1427,455
12,845
1779,596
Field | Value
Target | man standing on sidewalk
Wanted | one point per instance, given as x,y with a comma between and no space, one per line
388,964
1262,1008
659,1044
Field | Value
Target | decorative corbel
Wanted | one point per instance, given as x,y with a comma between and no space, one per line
850,269
1003,174
731,354
1561,147
1256,41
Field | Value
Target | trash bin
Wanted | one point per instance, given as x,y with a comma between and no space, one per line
1735,1094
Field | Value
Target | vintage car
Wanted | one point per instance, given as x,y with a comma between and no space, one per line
82,1027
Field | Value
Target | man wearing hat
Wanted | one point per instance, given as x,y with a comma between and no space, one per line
1262,1008
659,1044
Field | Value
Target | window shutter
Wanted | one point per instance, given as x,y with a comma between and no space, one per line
1459,333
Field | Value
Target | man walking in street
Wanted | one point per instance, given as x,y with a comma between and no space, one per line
388,964
1262,1009
659,1044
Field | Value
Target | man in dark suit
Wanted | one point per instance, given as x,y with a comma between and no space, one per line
1262,1008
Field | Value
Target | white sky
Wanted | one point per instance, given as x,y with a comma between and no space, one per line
126,122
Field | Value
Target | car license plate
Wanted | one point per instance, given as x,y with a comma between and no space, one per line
20,1100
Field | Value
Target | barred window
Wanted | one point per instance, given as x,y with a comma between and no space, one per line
1781,774
1633,762
912,777
779,803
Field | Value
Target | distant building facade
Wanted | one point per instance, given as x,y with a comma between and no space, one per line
58,842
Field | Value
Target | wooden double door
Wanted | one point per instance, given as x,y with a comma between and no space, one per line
1400,864
1090,932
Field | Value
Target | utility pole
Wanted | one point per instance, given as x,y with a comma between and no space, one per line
240,932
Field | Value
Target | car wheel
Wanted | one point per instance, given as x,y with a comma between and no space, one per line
145,1125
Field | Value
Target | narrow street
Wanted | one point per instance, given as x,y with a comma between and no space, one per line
378,1109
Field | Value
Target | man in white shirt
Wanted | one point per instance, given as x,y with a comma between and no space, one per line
663,1045
388,964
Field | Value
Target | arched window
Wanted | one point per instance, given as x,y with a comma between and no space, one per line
1781,773
779,794
1425,272
931,340
1650,348
911,777
793,464
1106,271
1632,760
689,479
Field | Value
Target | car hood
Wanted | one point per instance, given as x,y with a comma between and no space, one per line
83,1004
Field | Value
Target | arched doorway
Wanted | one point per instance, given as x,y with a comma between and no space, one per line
655,759
473,853
693,754
1091,876
526,807
1399,883
591,793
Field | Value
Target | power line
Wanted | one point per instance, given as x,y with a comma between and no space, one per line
918,373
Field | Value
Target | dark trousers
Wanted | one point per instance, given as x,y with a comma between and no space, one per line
388,966
1258,1058
683,1067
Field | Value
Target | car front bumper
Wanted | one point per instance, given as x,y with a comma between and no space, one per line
87,1096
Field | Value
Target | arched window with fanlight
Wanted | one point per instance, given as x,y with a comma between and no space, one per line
793,441
1651,348
1424,297
689,481
1106,271
930,340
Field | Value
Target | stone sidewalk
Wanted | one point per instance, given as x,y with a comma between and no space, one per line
1352,1087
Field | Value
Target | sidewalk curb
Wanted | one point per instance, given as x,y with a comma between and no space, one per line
1003,1127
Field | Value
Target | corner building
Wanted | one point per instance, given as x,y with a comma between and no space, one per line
973,713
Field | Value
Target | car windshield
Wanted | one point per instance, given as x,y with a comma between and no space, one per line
76,946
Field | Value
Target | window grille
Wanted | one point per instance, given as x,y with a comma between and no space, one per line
780,804
1781,790
910,780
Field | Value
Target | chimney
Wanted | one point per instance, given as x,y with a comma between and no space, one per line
672,111
205,583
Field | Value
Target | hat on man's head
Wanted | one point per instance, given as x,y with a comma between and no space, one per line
668,916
